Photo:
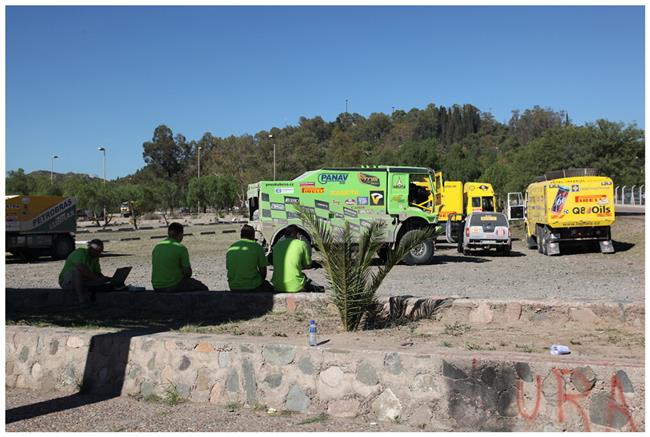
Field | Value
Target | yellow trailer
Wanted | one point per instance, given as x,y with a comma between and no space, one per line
40,225
569,208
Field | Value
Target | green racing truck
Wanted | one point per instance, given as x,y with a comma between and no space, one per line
401,197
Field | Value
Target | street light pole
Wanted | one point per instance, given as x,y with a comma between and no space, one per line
271,137
198,160
52,169
103,150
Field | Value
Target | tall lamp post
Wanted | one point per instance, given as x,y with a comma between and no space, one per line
52,169
271,138
198,161
103,150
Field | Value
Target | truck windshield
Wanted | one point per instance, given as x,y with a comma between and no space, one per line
488,204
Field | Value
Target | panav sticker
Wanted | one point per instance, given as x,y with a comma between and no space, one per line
325,178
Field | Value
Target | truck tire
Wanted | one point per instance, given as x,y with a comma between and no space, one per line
538,238
63,246
421,254
544,242
530,242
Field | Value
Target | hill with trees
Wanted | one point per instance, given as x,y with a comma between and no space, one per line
462,141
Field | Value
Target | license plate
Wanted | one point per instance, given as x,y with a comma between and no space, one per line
489,241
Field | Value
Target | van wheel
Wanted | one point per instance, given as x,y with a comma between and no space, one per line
544,243
63,246
420,254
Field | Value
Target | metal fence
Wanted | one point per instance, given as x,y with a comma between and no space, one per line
629,195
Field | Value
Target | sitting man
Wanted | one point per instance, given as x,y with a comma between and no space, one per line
290,256
82,273
171,270
246,263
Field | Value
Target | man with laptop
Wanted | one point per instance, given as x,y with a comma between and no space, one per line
82,273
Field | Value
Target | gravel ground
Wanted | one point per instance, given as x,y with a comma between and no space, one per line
577,275
128,414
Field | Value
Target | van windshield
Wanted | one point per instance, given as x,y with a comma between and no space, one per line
481,219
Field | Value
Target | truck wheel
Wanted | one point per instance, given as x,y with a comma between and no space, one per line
530,242
544,242
63,246
538,237
420,254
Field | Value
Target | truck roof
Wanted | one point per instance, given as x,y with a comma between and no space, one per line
384,168
567,173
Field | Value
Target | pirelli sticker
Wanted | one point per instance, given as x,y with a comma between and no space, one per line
350,212
322,205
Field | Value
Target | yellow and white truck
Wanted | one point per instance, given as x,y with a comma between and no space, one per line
40,225
455,201
569,206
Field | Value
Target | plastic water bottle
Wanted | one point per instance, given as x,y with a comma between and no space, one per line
312,333
558,349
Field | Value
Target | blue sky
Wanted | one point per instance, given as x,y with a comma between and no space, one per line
82,77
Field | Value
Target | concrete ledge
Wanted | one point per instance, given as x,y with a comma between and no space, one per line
460,391
447,309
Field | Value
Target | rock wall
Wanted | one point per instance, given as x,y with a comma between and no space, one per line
452,390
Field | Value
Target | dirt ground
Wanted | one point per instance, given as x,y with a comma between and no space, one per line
87,413
580,274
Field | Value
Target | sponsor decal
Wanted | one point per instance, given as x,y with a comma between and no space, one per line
310,209
560,199
266,213
284,190
483,187
291,200
350,202
397,198
51,212
362,200
312,190
338,215
344,192
354,227
265,197
398,183
575,188
277,206
292,215
593,198
365,223
336,202
377,198
279,184
322,205
599,209
368,179
350,212
325,178
307,184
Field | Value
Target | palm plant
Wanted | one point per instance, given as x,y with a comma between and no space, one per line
352,280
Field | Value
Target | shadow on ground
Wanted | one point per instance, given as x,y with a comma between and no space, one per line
108,353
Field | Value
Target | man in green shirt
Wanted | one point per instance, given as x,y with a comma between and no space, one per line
171,270
246,263
82,272
290,256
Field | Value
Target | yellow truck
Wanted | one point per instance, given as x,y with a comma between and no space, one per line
40,225
455,200
571,205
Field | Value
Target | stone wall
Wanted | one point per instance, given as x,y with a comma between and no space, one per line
442,390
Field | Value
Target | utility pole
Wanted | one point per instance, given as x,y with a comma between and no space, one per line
103,150
198,160
346,106
271,137
52,169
